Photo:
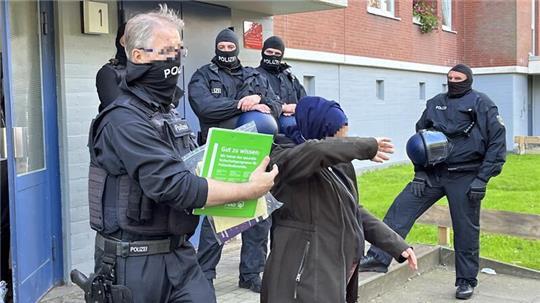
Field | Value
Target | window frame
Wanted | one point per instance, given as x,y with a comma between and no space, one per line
444,26
379,11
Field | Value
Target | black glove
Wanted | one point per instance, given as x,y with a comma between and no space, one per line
418,184
477,190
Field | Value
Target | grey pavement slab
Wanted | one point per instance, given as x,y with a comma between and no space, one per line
438,286
432,286
226,284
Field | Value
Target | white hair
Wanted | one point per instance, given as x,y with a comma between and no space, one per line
140,29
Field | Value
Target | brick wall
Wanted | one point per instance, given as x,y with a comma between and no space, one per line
484,33
523,31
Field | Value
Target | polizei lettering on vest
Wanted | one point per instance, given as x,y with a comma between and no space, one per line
173,71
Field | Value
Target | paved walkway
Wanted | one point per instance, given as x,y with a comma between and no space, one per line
433,286
226,284
437,286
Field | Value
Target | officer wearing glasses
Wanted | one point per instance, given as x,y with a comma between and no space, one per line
141,194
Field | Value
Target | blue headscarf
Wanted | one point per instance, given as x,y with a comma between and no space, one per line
316,118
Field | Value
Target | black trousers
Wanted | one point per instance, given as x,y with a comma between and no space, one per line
252,255
175,277
465,219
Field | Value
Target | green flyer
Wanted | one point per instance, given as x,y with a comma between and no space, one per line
232,156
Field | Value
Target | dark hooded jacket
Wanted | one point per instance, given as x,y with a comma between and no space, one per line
214,94
138,142
110,75
474,128
320,231
284,83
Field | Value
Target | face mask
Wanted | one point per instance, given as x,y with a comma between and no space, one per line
458,89
227,59
158,78
271,63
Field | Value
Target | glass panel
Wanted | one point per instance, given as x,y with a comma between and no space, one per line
447,13
26,86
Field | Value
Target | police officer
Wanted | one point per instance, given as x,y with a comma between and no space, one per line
109,76
278,73
218,93
141,194
476,133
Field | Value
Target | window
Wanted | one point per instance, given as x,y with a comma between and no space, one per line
309,85
382,7
444,87
380,89
447,14
422,90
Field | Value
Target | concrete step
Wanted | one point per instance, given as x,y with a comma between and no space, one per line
374,284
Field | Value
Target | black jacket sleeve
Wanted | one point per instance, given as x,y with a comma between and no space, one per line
129,143
107,86
379,234
270,98
494,132
207,107
421,124
304,160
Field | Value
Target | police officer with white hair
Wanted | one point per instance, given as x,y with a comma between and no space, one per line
459,147
141,194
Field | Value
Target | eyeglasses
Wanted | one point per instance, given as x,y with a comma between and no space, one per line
182,51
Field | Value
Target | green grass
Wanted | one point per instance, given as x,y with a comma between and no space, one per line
516,189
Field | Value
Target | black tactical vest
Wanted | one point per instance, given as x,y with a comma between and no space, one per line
116,202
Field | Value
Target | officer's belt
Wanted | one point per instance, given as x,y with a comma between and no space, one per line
460,167
139,248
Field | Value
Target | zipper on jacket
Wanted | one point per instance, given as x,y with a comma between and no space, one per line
301,269
341,206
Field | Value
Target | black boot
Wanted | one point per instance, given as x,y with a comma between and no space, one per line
464,291
254,284
369,263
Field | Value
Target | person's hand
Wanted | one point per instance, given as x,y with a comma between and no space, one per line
418,184
385,147
245,104
288,109
477,190
263,108
411,258
260,181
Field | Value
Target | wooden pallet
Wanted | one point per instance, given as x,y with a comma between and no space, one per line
527,144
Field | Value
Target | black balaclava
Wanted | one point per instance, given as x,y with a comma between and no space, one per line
120,50
459,89
272,63
228,60
159,79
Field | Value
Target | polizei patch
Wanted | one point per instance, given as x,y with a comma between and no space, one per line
227,59
138,249
173,71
